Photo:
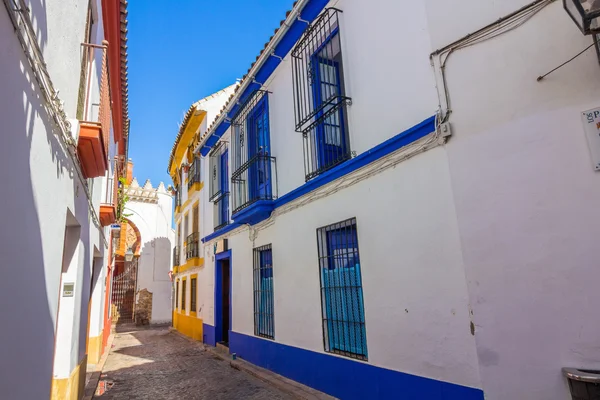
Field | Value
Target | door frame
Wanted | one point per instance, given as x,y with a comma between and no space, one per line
219,258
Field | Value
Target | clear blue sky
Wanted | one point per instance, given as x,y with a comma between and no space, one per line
179,52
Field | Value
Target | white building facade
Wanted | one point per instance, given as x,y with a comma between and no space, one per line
64,136
396,207
149,209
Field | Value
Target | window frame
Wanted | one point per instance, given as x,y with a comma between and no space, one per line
342,297
219,185
263,291
194,293
183,293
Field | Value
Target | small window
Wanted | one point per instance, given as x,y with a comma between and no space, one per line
219,185
193,293
183,283
341,290
263,292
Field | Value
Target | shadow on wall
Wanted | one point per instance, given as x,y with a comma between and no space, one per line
153,276
28,340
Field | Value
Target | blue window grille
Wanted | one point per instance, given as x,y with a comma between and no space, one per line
254,176
342,305
320,98
219,184
263,292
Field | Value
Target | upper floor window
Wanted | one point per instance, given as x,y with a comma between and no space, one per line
194,172
219,184
341,290
254,168
320,95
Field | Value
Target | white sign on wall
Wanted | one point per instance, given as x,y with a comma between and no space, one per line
591,126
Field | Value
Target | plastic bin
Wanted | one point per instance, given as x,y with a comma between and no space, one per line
583,383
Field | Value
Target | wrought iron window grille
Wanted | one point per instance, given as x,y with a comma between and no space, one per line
194,173
342,304
255,173
215,189
192,246
263,292
321,102
176,256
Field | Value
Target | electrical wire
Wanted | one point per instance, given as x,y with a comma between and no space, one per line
566,62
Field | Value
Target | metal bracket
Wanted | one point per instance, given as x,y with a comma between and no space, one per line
303,20
276,56
227,120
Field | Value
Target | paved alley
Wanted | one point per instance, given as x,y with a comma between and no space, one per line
159,364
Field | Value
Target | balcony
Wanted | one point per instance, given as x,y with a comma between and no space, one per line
192,246
177,200
194,178
94,118
110,200
254,189
175,256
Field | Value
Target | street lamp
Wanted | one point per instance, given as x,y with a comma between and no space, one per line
129,255
585,13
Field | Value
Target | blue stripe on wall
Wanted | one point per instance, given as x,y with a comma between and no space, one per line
381,150
208,335
342,377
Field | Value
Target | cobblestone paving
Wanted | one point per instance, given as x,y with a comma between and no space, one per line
158,364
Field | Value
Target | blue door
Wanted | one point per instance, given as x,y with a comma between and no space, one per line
258,149
224,204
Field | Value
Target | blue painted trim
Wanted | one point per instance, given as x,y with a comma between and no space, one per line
220,232
342,377
254,213
384,149
389,146
208,335
310,11
225,255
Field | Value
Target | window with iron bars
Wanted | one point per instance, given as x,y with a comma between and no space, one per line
176,256
192,246
177,196
176,294
342,305
320,96
193,294
194,172
263,292
255,173
183,283
219,184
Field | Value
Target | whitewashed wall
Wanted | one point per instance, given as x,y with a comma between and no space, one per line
44,189
154,223
526,197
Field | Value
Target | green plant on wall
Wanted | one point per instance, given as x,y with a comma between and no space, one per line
122,199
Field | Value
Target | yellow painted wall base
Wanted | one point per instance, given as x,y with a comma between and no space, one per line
70,388
190,326
94,349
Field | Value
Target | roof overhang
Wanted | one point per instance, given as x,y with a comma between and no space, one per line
185,138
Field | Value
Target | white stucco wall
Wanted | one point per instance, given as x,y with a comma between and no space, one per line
157,240
526,199
46,195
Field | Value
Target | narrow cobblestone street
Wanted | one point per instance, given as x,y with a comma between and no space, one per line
158,364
